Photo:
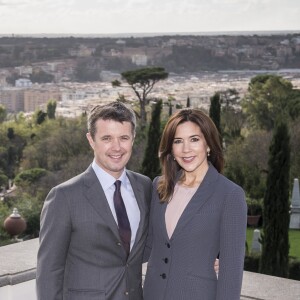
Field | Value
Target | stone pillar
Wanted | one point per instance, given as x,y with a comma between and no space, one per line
295,206
256,245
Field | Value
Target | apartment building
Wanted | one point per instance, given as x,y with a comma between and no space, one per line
38,98
13,99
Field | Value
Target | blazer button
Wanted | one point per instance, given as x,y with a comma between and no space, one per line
119,244
163,276
126,293
166,260
168,245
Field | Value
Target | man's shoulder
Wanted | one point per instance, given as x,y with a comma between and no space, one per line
76,180
139,177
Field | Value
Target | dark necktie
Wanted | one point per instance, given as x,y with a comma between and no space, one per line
123,222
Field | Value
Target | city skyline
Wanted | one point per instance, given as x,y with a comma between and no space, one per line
144,16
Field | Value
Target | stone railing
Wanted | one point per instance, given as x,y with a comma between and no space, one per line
18,264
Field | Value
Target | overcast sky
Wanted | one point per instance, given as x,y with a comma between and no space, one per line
146,16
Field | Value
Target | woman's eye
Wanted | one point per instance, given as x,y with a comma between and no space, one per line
195,139
177,141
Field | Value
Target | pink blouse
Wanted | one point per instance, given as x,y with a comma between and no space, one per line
181,197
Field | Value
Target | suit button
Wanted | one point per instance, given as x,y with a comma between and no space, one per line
119,244
168,245
166,260
163,276
126,293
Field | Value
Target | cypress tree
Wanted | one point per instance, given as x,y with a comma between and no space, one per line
275,239
151,165
51,108
215,110
188,102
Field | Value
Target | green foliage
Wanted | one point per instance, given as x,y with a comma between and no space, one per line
246,162
41,77
270,99
142,82
251,263
275,239
30,209
255,206
3,180
51,108
40,117
30,176
2,113
188,102
151,165
4,213
294,269
215,110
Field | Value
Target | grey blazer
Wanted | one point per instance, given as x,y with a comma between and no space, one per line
80,255
214,222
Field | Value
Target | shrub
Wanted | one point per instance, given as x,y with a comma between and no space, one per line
255,207
294,269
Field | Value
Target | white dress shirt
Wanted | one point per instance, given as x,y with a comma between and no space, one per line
107,182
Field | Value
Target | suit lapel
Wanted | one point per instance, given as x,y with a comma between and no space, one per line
141,201
202,195
96,197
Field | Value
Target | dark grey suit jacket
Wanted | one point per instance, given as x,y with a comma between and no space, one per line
214,222
81,256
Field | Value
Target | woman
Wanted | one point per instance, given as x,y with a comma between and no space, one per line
197,215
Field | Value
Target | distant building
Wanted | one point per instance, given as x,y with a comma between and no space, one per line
38,98
23,82
139,59
12,99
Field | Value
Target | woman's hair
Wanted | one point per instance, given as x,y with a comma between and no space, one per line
116,111
170,167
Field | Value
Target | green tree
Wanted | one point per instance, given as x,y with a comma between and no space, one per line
142,82
275,239
28,177
40,117
270,98
2,113
151,165
215,110
188,102
51,108
41,77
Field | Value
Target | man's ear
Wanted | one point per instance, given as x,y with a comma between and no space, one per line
90,139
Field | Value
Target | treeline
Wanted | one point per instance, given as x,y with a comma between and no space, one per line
39,152
185,54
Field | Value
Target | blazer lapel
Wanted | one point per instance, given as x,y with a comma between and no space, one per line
139,196
96,197
201,196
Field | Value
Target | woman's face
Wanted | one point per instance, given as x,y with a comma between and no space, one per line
190,148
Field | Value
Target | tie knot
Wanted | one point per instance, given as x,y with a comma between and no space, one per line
118,184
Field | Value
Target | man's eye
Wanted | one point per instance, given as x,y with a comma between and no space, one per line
106,138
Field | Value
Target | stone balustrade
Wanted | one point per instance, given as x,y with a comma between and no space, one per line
18,264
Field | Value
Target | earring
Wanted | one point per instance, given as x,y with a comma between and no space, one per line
174,158
208,152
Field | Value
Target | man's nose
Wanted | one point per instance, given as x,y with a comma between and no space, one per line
116,145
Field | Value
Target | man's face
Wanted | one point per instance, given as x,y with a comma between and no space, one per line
112,145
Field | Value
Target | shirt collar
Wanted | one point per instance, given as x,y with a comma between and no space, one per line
107,180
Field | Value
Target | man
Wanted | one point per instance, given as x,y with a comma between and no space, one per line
90,249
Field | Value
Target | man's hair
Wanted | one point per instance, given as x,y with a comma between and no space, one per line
116,111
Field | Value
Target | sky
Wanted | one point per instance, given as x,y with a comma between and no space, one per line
146,16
